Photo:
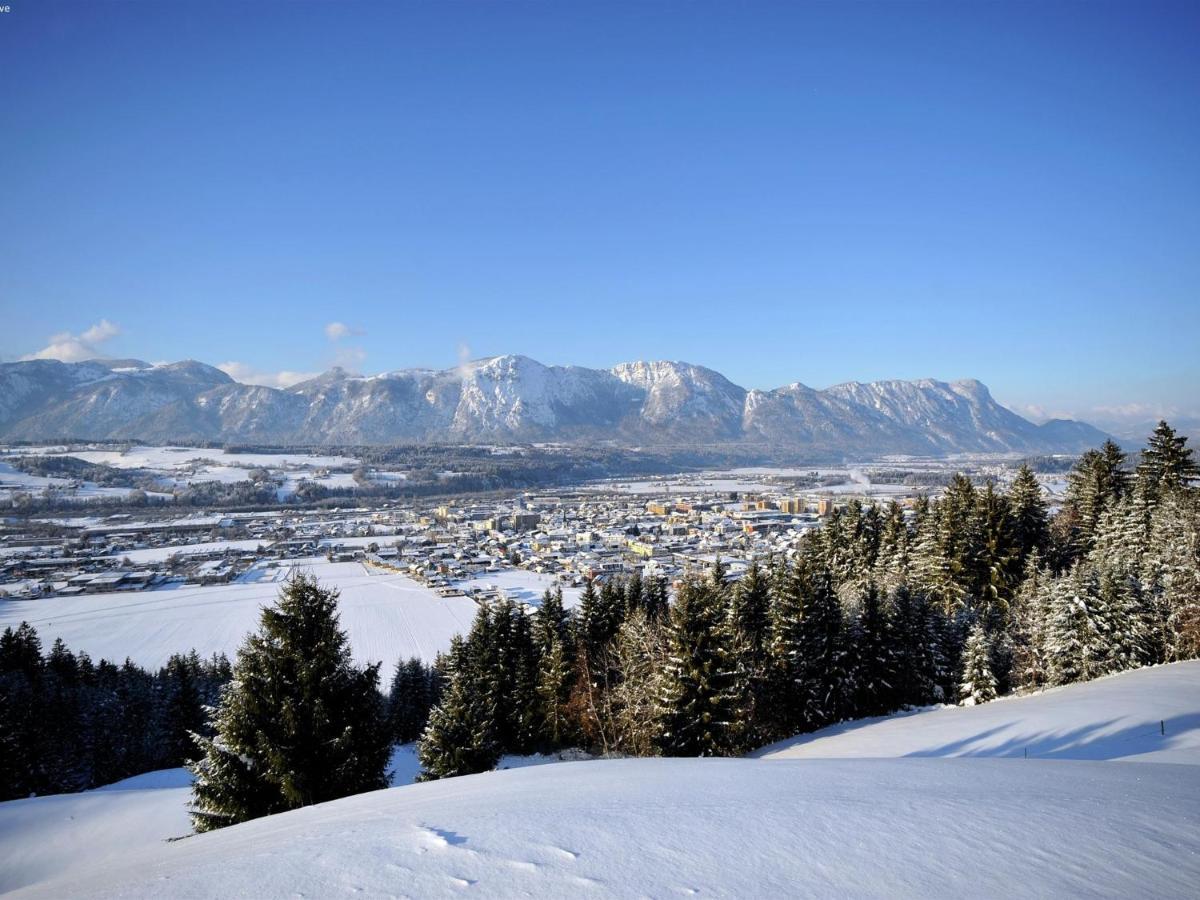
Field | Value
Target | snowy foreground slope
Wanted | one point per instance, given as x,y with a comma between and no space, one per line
1150,715
1080,823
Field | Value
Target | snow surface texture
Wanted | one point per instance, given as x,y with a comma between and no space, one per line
521,585
725,827
1069,826
388,617
1149,715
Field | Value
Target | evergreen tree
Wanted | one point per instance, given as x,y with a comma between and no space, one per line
655,598
978,682
822,675
893,565
916,648
1074,642
874,659
592,621
1030,522
749,612
184,713
1124,644
460,737
1098,479
550,621
1167,463
999,556
703,691
554,679
1171,606
298,725
409,700
750,621
635,590
1029,622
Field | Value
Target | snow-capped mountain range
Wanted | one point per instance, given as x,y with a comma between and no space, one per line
513,399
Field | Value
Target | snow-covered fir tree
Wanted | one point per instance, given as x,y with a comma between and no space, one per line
460,737
978,683
299,724
703,690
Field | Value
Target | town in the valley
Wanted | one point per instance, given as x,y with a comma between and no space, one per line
516,544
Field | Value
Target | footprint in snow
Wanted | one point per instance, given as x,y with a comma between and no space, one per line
436,837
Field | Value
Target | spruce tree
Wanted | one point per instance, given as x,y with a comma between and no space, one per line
1030,522
978,682
1029,622
1171,606
893,563
823,676
1098,479
460,738
550,621
184,712
298,725
1167,463
782,711
749,611
591,621
409,700
874,661
1074,643
999,556
554,679
703,691
915,646
750,621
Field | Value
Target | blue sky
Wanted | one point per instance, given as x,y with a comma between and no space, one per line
783,192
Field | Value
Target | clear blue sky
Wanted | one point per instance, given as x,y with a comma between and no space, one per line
821,193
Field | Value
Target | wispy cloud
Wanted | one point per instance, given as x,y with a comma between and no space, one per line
337,331
464,357
69,347
247,374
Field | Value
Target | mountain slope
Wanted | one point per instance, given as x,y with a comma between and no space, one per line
515,398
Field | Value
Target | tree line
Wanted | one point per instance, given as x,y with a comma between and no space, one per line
962,599
69,724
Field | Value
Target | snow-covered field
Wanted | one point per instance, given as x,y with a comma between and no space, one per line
179,466
161,554
165,458
1073,825
13,481
521,585
387,616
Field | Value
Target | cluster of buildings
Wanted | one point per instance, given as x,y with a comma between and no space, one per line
571,536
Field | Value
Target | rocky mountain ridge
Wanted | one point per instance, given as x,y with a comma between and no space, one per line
511,399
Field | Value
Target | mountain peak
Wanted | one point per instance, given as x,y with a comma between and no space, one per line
515,398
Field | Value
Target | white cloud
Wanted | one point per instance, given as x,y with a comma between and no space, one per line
69,347
247,374
1036,413
336,331
464,358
